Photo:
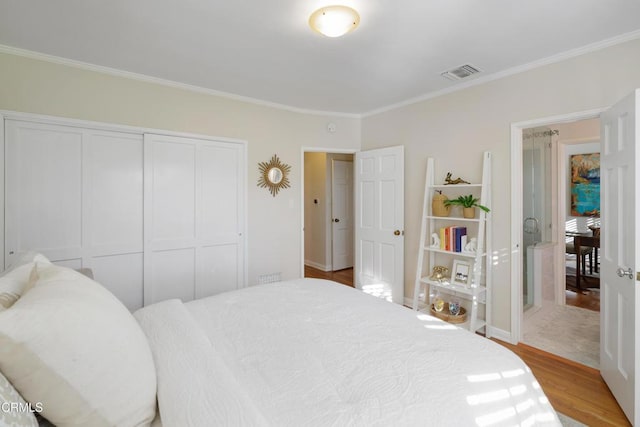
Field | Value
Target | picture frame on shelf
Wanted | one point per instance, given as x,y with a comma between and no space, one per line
461,272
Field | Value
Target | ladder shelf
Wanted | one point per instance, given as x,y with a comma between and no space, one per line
474,286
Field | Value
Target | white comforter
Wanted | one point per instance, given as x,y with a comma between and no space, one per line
315,353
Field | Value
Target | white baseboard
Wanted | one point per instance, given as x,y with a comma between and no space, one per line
408,302
317,265
496,333
501,335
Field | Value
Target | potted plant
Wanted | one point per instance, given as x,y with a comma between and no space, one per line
469,205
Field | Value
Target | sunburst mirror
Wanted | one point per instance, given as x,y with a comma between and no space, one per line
273,175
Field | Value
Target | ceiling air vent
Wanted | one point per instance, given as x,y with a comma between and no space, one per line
460,72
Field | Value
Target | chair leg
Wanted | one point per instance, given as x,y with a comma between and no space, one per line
591,262
584,264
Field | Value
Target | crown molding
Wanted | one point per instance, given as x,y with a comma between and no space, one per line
512,71
197,89
164,82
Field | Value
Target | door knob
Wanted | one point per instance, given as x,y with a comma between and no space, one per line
396,233
622,272
336,220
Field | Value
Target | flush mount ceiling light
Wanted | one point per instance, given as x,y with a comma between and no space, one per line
334,21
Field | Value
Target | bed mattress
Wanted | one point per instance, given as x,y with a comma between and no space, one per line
311,352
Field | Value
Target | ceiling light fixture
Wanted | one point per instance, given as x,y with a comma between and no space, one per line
334,21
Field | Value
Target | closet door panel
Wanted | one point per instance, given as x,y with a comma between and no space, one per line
173,275
170,218
113,207
218,267
172,186
220,228
194,217
44,190
76,195
115,196
122,275
219,194
75,263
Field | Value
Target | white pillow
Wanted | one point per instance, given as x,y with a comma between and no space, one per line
14,411
71,345
14,281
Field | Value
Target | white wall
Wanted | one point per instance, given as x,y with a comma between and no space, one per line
456,129
274,223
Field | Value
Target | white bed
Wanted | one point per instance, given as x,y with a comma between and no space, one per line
314,352
305,352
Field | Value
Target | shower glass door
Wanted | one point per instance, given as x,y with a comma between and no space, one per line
536,162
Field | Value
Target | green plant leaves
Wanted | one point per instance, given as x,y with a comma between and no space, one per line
467,201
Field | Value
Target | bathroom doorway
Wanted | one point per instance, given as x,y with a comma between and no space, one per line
553,316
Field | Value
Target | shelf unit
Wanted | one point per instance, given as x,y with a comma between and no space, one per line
478,294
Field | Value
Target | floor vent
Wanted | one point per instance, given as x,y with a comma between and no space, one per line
269,278
460,72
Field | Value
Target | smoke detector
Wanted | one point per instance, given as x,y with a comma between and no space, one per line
460,72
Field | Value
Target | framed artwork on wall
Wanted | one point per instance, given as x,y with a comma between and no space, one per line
585,184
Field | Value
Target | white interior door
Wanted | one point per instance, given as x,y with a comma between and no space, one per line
194,217
341,214
379,228
620,260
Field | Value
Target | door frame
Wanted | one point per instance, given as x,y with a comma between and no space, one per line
516,213
304,150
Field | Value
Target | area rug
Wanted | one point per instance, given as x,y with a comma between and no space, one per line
566,331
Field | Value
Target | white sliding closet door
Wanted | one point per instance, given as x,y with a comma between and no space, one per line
75,195
44,191
194,217
114,218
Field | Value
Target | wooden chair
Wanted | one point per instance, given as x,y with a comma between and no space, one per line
584,252
580,242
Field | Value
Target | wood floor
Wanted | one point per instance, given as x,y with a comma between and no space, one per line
588,297
341,276
584,299
575,390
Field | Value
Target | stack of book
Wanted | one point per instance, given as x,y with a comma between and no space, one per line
453,238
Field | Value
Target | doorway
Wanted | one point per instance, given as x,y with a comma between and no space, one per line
328,202
555,228
560,165
378,210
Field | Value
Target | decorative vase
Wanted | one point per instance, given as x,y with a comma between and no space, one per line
437,205
438,303
454,307
469,212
